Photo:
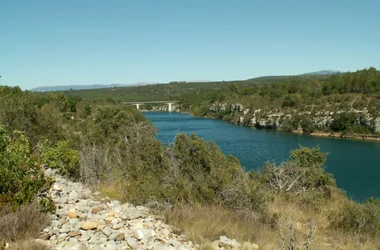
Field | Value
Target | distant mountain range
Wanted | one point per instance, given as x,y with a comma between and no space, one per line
78,87
105,86
323,72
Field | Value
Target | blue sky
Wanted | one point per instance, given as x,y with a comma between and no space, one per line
103,42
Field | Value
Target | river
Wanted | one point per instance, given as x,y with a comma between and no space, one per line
355,164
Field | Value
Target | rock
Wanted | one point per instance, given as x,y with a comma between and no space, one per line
73,195
74,233
89,225
45,236
62,236
228,243
111,213
96,210
249,246
214,245
73,241
109,246
64,229
107,231
132,242
120,237
131,214
57,187
139,234
81,221
72,214
85,194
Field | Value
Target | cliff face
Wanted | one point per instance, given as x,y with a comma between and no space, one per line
297,120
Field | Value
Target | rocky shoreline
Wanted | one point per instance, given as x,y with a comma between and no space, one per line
85,220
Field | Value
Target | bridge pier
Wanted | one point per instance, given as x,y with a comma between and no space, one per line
137,106
170,107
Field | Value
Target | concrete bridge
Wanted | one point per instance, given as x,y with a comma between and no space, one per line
137,104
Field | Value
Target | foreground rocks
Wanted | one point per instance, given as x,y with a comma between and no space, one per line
84,220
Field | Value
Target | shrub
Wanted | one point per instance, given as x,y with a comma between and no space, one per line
362,219
21,180
61,156
303,176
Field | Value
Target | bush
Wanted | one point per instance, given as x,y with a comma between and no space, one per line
362,219
201,173
303,176
61,156
21,180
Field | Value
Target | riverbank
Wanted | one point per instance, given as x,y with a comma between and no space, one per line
317,134
340,135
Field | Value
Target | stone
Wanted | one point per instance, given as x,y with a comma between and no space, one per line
74,233
132,242
96,210
53,217
64,229
139,234
85,194
228,243
45,236
73,222
120,237
131,215
110,245
175,243
111,213
73,195
73,241
107,231
62,236
72,214
82,221
55,223
57,187
89,225
249,246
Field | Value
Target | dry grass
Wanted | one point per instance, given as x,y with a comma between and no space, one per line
324,236
204,224
28,245
23,224
112,190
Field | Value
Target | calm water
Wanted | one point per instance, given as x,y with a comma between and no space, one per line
355,164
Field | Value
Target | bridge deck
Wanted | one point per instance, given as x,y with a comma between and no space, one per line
152,102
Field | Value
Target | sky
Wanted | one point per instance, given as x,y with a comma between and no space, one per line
80,42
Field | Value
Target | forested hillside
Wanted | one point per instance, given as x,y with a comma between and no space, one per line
175,90
347,104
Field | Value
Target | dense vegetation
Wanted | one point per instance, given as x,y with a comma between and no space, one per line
347,103
112,147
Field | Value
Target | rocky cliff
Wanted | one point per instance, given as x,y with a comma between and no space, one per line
274,119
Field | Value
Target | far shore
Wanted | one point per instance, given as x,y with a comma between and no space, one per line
339,135
318,133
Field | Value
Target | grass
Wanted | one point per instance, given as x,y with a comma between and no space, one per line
22,226
28,245
204,224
